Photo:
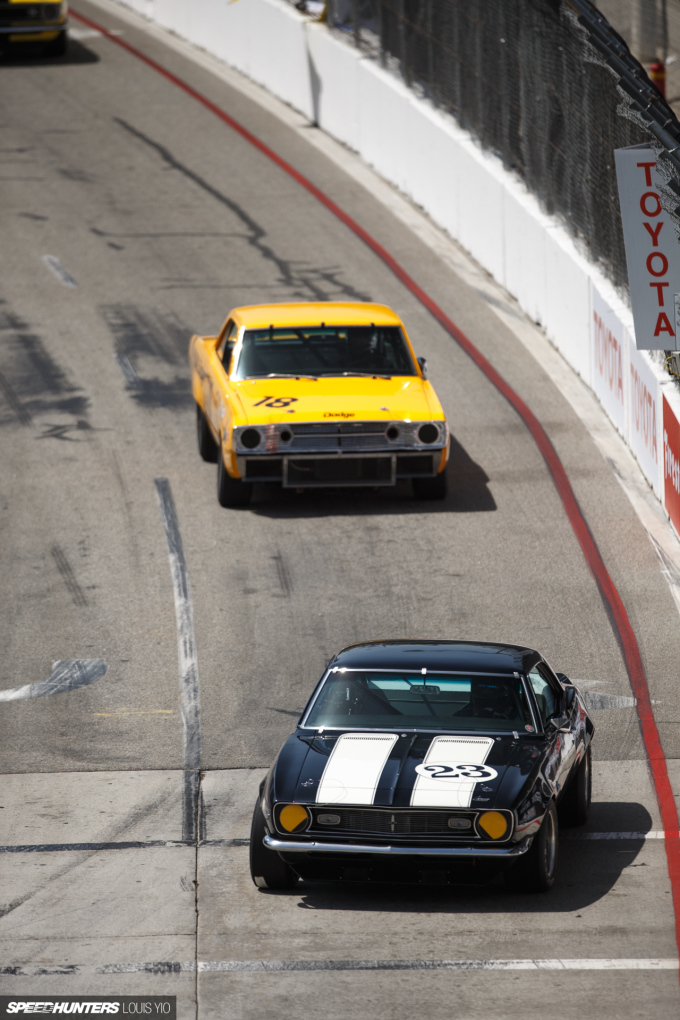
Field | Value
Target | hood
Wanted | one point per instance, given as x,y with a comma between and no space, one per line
401,771
337,399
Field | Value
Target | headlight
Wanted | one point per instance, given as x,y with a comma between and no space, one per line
250,438
294,818
51,11
428,433
493,824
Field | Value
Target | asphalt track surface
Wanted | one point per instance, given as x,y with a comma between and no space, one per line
132,217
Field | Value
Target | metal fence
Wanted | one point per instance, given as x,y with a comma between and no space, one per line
533,82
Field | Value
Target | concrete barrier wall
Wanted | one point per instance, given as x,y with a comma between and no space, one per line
465,190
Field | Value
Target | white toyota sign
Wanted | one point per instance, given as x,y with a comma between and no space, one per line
652,250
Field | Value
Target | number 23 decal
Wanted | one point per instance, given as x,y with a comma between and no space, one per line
276,401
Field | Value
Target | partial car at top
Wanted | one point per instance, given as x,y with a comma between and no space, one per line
444,761
23,22
311,395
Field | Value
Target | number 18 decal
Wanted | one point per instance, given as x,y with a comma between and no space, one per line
276,401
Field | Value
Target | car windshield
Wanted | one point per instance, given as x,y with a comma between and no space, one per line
324,351
435,701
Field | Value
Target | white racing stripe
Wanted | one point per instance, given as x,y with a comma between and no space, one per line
429,791
353,770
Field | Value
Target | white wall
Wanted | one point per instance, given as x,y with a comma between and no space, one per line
466,191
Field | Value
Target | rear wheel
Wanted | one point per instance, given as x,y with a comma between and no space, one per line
430,488
575,804
207,447
267,869
231,491
535,871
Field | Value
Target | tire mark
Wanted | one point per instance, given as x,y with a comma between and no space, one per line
66,675
283,572
64,567
10,396
305,282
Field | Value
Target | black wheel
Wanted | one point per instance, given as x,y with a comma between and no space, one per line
207,447
430,488
58,47
267,869
535,871
231,491
575,804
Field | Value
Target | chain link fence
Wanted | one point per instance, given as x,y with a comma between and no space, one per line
524,79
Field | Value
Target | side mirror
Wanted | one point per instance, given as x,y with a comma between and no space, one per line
560,723
423,366
569,696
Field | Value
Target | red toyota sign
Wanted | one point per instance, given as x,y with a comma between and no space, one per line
671,464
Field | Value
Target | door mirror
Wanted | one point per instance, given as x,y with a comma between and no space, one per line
423,366
560,723
569,696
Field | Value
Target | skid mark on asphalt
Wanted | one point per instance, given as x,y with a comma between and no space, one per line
66,570
66,675
31,381
61,273
190,704
162,338
283,572
300,280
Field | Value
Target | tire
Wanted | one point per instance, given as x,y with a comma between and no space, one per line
231,491
535,871
267,870
575,804
207,447
430,488
58,47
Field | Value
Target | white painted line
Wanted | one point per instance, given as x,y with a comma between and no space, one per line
78,33
279,966
132,380
55,266
66,675
190,705
654,834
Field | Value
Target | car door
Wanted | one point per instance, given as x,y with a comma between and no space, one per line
217,407
551,703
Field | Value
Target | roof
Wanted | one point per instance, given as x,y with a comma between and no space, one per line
313,313
459,656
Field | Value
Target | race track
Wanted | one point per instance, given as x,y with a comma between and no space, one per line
131,218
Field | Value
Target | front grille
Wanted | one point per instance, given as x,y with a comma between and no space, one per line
340,471
377,822
351,437
27,13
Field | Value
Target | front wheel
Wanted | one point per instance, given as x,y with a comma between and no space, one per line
575,804
535,871
207,447
267,870
430,488
231,491
58,47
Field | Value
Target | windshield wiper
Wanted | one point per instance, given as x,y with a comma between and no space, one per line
284,375
358,375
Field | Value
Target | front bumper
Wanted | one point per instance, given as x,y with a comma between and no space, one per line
346,470
290,846
33,30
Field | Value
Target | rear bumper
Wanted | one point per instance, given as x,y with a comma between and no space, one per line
289,846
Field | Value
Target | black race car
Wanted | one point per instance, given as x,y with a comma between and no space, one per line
439,761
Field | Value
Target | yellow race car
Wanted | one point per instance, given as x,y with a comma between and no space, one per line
316,394
24,22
